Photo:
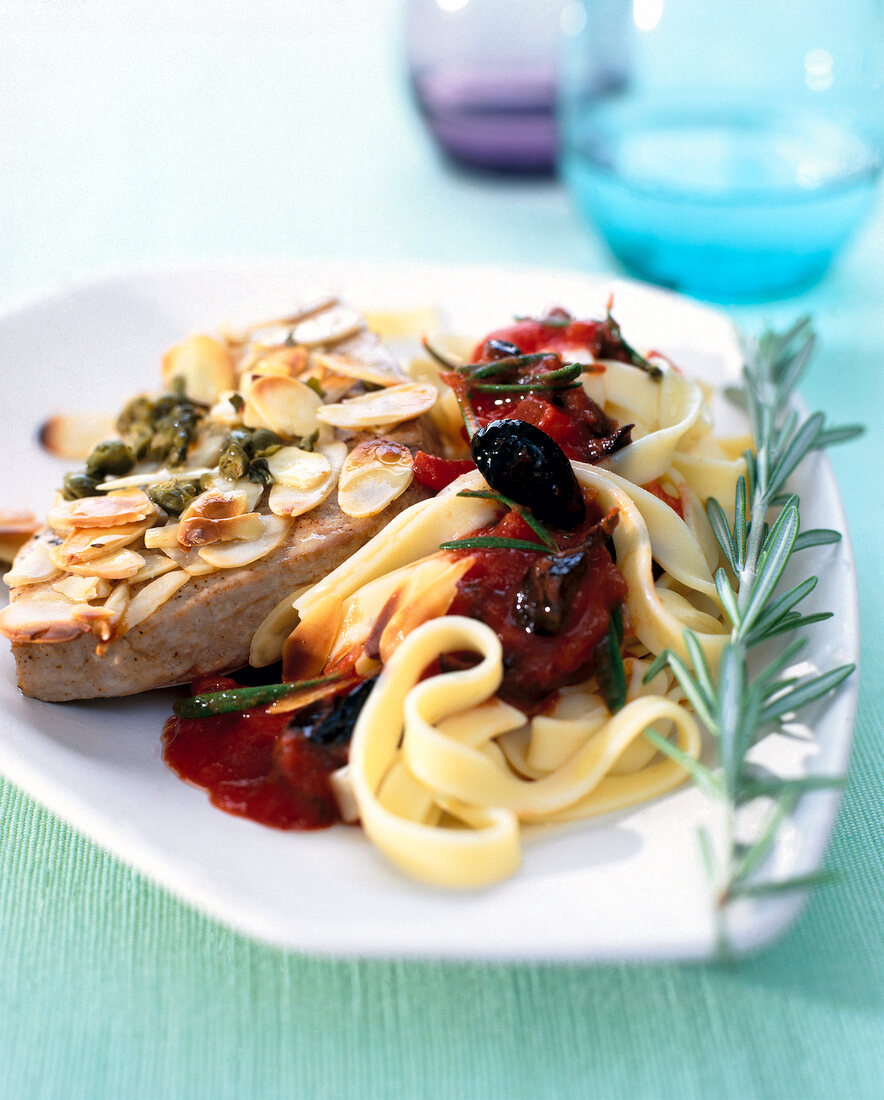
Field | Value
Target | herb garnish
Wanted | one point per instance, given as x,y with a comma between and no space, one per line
743,705
494,542
536,526
227,702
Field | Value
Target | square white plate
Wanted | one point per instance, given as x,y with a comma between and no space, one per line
626,886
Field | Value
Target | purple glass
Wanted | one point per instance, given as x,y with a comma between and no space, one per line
484,77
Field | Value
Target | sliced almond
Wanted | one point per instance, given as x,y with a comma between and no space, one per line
299,469
200,532
82,589
34,566
73,435
328,327
287,501
382,408
114,607
151,477
231,555
373,475
154,594
15,530
252,490
188,560
383,373
205,365
285,405
216,503
42,617
114,567
267,331
84,544
154,566
109,510
160,538
278,360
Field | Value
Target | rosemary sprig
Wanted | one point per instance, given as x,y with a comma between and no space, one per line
228,702
494,542
536,526
740,705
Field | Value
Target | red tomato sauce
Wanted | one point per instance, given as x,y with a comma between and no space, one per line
252,766
537,665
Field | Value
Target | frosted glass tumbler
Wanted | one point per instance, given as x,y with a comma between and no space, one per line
743,147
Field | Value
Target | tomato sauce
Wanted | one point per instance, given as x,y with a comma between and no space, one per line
536,665
252,766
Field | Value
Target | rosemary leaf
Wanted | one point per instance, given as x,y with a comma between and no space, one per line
492,542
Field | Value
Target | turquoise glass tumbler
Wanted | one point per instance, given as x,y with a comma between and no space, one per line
742,147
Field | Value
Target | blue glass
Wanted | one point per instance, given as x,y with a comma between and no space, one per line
741,154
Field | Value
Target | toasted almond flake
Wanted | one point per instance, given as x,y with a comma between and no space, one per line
285,405
159,538
216,503
188,560
299,469
268,639
205,365
252,490
230,555
148,599
114,607
328,327
15,530
32,566
374,474
286,501
111,510
46,616
73,435
82,589
84,544
385,373
205,532
279,360
382,408
120,565
154,566
265,330
151,477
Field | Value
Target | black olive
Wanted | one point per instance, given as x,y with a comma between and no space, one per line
522,462
331,721
501,349
547,591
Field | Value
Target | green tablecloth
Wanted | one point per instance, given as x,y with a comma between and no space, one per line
109,988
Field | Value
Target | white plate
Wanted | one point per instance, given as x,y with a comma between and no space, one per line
628,886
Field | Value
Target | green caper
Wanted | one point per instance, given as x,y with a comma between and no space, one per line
76,486
112,457
234,462
137,412
313,384
259,472
238,402
174,496
308,442
264,443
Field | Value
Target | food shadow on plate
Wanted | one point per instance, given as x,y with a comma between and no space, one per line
550,850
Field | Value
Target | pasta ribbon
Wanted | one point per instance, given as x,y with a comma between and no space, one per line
437,791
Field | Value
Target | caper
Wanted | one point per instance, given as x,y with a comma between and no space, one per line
112,457
259,472
308,442
234,462
264,443
76,486
522,462
137,412
174,496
